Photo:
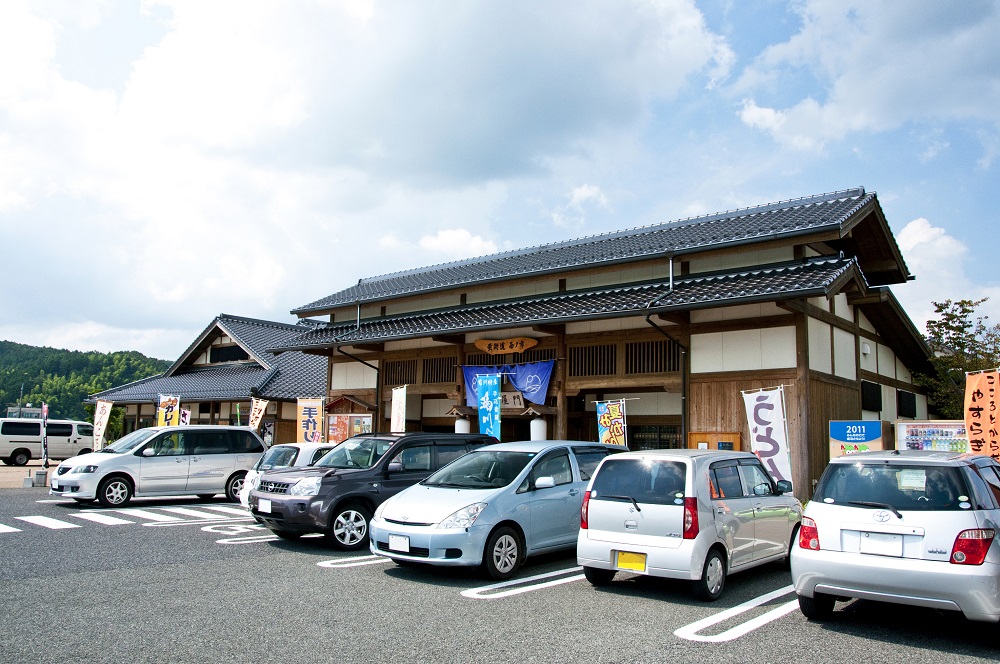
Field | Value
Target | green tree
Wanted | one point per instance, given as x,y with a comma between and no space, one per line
961,344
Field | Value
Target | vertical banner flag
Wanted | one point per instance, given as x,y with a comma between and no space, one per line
769,430
185,418
611,422
166,413
102,413
488,393
310,430
257,408
45,435
398,422
981,413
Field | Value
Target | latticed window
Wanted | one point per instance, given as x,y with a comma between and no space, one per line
538,355
439,369
400,372
481,359
661,356
593,360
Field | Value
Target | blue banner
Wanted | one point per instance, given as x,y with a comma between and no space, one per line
488,393
530,379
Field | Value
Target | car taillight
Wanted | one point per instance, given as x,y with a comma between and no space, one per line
583,510
690,518
808,534
971,546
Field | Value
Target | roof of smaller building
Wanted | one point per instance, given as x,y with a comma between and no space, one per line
266,375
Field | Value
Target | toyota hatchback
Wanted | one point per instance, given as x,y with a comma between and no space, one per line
684,514
909,527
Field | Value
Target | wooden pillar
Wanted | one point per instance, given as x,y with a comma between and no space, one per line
800,452
562,362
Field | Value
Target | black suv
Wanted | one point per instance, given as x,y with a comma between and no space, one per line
338,495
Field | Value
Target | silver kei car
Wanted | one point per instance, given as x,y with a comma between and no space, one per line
492,507
908,527
684,514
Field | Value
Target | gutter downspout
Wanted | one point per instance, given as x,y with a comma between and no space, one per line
378,375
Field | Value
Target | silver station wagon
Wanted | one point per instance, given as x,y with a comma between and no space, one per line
909,527
684,514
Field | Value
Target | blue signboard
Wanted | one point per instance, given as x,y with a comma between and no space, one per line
856,431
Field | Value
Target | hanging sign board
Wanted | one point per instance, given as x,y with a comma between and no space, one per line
853,436
501,346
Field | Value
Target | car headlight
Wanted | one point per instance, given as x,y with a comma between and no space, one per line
84,469
379,510
464,517
308,486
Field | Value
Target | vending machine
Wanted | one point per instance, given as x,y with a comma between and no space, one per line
939,435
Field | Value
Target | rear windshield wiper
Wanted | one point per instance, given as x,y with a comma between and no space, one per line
866,503
637,508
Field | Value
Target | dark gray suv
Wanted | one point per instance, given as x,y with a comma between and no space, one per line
339,493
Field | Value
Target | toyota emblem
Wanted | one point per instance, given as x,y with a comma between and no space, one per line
881,516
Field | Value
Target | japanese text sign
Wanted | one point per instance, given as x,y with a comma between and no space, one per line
981,413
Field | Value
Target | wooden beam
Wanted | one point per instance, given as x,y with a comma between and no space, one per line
550,329
675,317
375,348
457,339
875,297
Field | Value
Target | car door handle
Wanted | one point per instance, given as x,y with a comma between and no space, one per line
574,492
720,510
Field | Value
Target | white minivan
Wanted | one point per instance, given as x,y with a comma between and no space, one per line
203,460
21,439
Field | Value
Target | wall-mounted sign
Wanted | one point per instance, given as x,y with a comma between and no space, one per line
501,346
853,436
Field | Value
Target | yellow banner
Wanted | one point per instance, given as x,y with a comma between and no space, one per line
168,414
981,413
310,413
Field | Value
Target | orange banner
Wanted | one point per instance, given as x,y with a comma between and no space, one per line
981,413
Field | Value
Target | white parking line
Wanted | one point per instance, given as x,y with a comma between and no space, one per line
97,517
690,632
46,522
8,529
525,583
196,514
340,563
226,509
151,516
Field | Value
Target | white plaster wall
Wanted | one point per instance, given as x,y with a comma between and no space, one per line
842,308
888,403
743,350
865,324
423,304
819,346
410,344
742,259
922,411
608,325
437,407
902,373
737,313
503,334
352,376
644,403
886,361
820,303
869,360
288,410
507,291
843,354
660,270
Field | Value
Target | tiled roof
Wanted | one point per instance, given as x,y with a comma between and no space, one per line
286,376
790,280
739,227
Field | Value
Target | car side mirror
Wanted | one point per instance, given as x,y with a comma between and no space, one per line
784,486
545,482
148,451
394,467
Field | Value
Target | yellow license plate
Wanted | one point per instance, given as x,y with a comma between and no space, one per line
633,561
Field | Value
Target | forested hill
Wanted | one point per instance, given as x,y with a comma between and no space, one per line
64,378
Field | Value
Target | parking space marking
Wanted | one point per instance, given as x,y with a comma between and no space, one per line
98,517
340,563
151,516
226,509
9,529
46,522
196,514
525,584
690,632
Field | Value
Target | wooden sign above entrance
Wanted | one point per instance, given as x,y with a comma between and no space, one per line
501,346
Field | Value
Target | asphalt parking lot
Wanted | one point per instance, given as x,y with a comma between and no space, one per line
185,580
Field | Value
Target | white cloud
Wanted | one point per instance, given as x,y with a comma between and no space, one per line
874,67
574,213
457,243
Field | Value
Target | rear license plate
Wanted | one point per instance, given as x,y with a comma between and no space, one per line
399,543
632,561
882,544
264,505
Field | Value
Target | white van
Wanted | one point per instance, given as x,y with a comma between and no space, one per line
21,439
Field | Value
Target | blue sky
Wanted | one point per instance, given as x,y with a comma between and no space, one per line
163,162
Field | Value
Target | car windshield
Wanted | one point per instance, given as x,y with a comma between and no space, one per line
129,442
355,453
279,456
902,487
481,470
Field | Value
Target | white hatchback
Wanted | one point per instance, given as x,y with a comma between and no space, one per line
161,461
684,514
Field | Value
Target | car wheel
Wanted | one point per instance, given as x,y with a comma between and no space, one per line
114,492
598,577
20,457
349,528
206,496
503,553
713,577
287,534
233,487
817,607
